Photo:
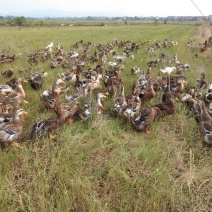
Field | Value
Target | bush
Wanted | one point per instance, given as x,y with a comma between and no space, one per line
19,21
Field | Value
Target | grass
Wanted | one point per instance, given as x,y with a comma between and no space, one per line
104,165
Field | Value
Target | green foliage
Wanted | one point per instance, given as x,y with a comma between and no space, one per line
41,23
19,21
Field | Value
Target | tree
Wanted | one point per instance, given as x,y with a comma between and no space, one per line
20,20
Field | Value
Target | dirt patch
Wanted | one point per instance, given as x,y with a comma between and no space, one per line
203,41
204,32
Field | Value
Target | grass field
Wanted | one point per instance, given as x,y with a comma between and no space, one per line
103,164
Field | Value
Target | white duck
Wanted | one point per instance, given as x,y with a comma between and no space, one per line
168,70
50,46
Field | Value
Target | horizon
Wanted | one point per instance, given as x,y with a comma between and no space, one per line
82,8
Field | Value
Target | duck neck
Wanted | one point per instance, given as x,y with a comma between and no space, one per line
16,105
61,118
150,86
17,119
181,85
20,90
204,113
122,90
99,102
56,91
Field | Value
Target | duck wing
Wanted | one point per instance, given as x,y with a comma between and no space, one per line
41,128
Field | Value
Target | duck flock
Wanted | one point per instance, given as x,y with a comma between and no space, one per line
93,72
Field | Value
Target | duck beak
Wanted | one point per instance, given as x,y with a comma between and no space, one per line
63,83
2,93
106,94
26,81
26,113
26,102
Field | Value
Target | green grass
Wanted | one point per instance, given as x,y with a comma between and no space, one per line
104,165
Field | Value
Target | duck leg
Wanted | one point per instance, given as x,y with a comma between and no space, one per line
16,144
70,120
52,136
147,131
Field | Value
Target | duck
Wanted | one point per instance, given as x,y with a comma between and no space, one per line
86,113
8,73
113,80
11,131
179,86
133,107
100,102
12,83
144,120
201,82
205,123
5,109
50,97
166,90
73,54
73,108
47,126
119,59
142,81
188,99
36,80
149,93
174,60
168,70
49,47
2,97
148,72
111,64
92,85
119,103
112,90
69,76
6,89
9,59
18,91
208,95
15,101
19,87
4,121
167,107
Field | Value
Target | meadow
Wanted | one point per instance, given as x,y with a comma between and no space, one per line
104,164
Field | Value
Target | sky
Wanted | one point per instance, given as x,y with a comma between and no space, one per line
81,8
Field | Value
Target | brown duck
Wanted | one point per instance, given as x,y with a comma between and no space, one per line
44,127
145,119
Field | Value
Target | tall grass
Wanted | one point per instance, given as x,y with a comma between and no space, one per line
103,164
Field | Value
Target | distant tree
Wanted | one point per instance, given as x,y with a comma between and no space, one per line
165,21
20,20
41,23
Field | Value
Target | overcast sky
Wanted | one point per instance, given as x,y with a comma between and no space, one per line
106,8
